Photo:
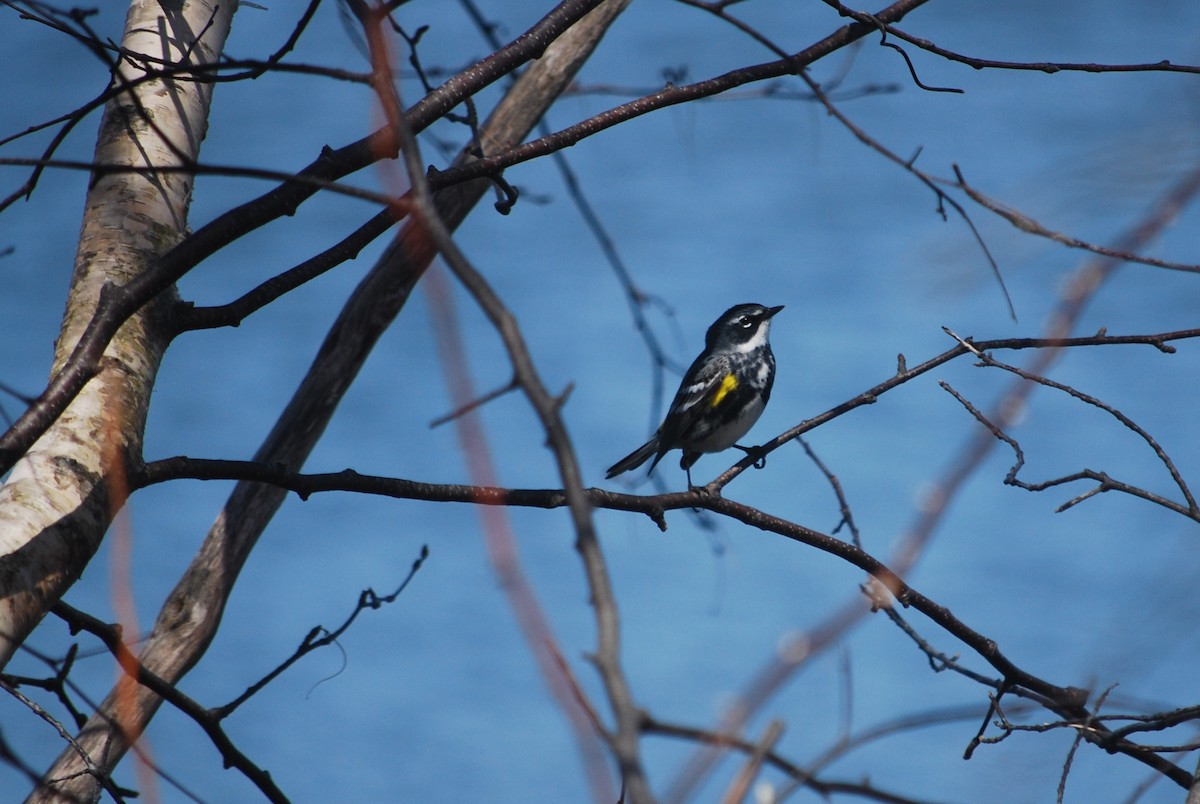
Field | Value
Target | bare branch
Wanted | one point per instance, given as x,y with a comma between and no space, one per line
1049,68
140,675
1189,510
669,96
1065,700
103,780
1030,226
235,312
320,637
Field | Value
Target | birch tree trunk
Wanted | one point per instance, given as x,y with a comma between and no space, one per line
61,497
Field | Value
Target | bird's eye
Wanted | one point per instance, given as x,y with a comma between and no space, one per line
746,322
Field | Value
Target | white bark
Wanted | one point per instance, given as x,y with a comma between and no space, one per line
62,495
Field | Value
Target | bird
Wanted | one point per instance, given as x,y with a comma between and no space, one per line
721,395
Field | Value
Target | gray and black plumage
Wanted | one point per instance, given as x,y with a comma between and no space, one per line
721,395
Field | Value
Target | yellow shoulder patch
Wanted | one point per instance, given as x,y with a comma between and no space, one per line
728,383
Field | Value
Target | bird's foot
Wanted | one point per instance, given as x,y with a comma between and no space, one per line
757,453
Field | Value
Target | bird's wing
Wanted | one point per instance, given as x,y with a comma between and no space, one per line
703,388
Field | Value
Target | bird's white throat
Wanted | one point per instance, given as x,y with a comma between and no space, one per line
760,337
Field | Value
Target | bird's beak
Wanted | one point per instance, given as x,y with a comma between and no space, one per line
771,311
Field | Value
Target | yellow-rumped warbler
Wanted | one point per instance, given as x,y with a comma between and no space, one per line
721,395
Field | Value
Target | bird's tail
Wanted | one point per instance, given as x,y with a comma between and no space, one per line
634,459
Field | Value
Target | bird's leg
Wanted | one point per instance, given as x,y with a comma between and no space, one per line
685,463
757,453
